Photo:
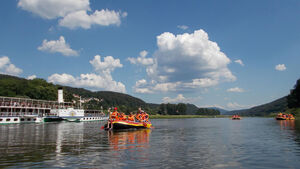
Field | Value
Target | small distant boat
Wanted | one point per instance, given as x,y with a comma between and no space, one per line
282,116
236,117
124,124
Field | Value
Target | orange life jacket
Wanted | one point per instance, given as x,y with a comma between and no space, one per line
130,118
143,116
115,115
139,117
123,117
146,117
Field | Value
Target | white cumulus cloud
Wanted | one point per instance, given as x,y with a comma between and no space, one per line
183,27
51,9
59,46
101,80
107,66
179,99
82,19
6,67
239,61
141,59
72,13
31,77
280,67
235,89
187,61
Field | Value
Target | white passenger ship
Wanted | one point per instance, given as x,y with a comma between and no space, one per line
23,110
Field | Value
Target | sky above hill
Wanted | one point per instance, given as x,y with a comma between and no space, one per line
228,54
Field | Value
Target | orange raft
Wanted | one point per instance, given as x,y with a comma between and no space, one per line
281,116
124,124
236,117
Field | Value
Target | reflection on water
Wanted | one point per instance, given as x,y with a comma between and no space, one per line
174,143
287,124
120,140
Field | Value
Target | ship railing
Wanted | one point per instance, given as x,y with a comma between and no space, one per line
25,102
13,114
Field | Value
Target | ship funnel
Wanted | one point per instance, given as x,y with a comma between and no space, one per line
60,95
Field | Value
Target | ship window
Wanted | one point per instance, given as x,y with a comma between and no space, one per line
7,119
22,119
1,119
15,119
28,119
34,119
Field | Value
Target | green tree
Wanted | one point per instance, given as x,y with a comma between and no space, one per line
181,108
206,111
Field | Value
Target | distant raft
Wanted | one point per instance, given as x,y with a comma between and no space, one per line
124,124
282,116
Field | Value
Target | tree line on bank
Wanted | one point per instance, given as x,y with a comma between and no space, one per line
181,109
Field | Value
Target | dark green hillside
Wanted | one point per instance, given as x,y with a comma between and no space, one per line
293,98
191,109
291,101
207,111
35,89
108,99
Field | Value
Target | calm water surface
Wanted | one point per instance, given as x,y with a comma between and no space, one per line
173,143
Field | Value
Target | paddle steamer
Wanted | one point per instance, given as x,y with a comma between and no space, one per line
24,110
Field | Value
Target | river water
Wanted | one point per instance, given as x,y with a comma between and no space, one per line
173,143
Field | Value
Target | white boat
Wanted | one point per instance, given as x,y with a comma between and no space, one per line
23,110
66,111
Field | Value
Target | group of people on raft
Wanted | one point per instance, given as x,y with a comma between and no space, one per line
282,116
140,116
235,117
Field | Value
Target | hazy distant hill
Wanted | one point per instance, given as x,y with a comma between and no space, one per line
278,105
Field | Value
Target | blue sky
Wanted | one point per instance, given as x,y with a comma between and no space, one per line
229,54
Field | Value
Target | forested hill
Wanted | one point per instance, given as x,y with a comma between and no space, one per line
108,99
279,105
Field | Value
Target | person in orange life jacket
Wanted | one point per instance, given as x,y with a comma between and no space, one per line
146,117
115,115
138,117
123,116
131,117
112,116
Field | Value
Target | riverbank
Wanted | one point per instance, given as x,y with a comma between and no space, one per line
186,116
